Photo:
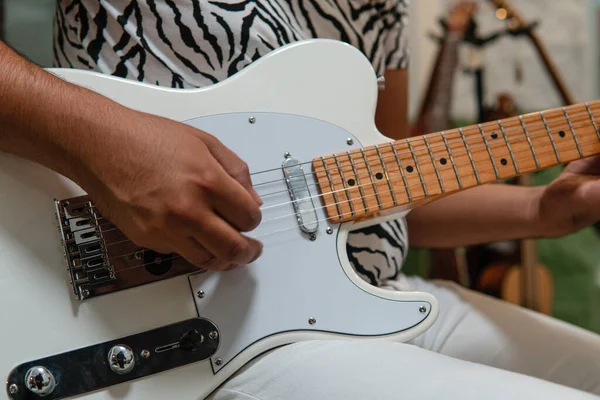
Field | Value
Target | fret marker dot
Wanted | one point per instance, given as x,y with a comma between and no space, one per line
409,168
379,175
351,182
503,161
494,135
561,133
443,161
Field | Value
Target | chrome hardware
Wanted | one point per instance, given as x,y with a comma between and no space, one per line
312,320
200,294
381,82
252,120
218,361
287,154
213,335
312,237
40,381
329,230
300,195
86,369
422,309
350,141
95,252
121,359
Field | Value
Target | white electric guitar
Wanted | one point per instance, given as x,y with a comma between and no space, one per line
110,319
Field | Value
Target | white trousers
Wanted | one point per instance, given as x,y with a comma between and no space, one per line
479,348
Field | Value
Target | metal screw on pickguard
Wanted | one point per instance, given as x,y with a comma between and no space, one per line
13,388
213,335
85,293
312,320
287,154
200,294
252,120
145,353
329,230
218,361
422,309
312,237
138,255
350,141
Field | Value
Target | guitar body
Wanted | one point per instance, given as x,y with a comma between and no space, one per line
308,99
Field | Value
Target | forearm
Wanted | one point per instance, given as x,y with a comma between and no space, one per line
43,118
480,215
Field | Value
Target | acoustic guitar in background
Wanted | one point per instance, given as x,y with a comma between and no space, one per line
527,282
510,270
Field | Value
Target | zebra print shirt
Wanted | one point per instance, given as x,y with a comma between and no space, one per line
194,43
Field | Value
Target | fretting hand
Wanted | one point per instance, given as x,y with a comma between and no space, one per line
572,201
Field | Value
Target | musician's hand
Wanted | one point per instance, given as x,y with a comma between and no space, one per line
166,185
173,188
572,201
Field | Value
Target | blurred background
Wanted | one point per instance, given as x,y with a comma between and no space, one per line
504,58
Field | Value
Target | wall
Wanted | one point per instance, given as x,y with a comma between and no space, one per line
567,28
28,28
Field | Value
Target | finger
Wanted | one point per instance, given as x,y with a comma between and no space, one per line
199,256
236,206
233,165
588,165
227,244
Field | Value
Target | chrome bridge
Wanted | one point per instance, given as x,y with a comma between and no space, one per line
101,259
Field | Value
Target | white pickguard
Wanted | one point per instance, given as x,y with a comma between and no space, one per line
307,98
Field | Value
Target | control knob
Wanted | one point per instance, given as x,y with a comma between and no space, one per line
121,359
40,381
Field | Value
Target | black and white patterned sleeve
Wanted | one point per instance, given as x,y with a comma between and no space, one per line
396,41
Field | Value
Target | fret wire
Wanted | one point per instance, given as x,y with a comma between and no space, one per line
460,186
410,148
592,118
489,150
437,172
537,163
337,202
337,162
573,132
462,135
371,178
360,189
551,137
406,186
389,181
512,154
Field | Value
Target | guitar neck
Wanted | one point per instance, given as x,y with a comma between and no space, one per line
359,183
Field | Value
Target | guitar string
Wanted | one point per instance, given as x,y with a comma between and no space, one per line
503,143
468,133
177,256
326,218
476,150
391,177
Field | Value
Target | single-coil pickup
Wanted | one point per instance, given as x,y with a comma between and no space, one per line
300,195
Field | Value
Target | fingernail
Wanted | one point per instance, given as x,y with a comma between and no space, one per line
256,257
